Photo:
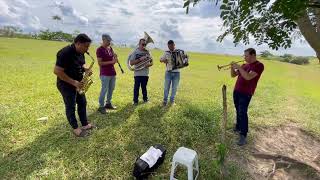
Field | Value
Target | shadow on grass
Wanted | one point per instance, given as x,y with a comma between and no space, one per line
112,148
185,125
59,149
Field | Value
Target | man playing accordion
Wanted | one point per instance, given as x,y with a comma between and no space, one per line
174,60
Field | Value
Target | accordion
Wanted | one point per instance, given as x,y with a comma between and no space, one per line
176,59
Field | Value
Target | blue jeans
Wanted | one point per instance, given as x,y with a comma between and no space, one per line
107,86
241,103
171,78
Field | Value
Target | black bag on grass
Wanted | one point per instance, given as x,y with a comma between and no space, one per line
154,157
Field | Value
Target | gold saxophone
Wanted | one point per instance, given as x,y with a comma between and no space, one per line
86,80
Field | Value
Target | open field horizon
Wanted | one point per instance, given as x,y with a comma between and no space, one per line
286,93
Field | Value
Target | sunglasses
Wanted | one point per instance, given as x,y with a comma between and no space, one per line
143,44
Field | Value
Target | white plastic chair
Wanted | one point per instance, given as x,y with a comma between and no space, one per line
188,158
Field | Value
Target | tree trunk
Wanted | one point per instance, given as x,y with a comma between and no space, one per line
309,32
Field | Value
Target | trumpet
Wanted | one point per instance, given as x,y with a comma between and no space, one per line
227,66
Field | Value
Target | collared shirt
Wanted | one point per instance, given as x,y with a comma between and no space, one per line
106,54
249,86
72,62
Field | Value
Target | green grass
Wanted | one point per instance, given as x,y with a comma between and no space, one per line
30,149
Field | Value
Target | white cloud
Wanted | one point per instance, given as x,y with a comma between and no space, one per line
126,20
70,14
18,13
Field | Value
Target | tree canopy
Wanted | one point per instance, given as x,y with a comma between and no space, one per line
276,23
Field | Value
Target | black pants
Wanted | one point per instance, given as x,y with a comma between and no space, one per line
71,97
241,103
140,81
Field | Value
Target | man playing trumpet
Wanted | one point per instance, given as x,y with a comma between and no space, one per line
248,77
141,76
69,68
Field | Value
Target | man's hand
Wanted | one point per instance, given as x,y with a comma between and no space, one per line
115,58
77,84
149,64
164,60
235,65
88,71
143,58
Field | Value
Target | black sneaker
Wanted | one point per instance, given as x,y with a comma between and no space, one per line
135,103
146,101
242,141
102,110
109,106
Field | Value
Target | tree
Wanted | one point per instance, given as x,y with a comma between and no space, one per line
266,54
276,23
57,19
9,31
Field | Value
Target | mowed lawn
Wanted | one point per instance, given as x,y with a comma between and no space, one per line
30,149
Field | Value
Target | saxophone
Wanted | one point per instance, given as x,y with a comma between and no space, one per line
86,80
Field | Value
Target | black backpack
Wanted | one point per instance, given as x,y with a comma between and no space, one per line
141,168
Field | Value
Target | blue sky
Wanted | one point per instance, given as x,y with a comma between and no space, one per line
126,20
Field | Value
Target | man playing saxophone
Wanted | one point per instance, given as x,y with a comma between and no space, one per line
141,76
106,59
248,76
69,68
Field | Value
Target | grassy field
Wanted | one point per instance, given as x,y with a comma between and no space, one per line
30,149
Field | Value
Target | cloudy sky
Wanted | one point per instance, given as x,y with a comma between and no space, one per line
126,20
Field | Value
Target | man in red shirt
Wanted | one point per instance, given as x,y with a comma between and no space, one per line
106,60
248,77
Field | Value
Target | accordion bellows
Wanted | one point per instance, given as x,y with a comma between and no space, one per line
149,161
176,59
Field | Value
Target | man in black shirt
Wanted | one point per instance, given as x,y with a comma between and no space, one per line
69,68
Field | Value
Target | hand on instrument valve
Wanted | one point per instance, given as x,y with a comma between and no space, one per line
234,65
88,71
77,84
115,59
143,58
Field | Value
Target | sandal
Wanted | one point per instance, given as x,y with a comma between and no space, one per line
82,134
89,128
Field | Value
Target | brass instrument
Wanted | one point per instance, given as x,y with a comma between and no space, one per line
141,65
86,80
227,66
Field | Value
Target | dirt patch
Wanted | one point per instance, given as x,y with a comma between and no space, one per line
284,152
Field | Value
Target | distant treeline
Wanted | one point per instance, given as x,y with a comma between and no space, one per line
11,31
288,58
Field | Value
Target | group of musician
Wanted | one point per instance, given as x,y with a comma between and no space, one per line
70,67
